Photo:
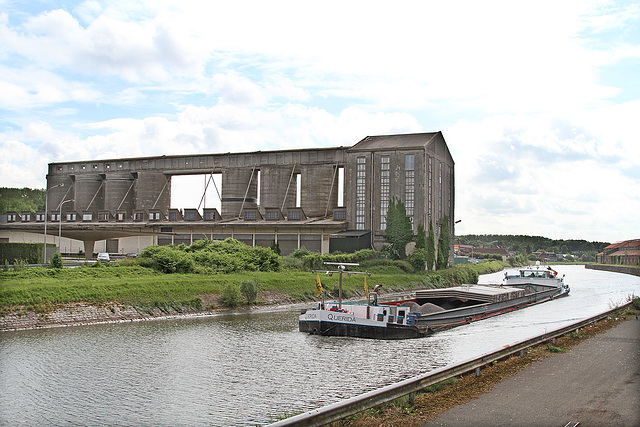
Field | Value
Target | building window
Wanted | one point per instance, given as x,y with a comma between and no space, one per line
71,216
39,217
154,216
87,216
440,190
361,191
385,163
449,195
26,217
190,216
409,185
173,216
250,215
410,162
293,215
11,217
272,215
340,214
138,216
120,216
103,216
430,189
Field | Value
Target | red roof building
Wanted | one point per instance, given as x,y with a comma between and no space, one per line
621,253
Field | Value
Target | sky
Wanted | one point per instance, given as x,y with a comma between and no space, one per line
538,101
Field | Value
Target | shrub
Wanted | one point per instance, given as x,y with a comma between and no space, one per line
386,266
275,247
300,253
230,296
249,291
31,253
460,274
313,261
232,255
168,259
291,263
404,265
56,261
419,259
554,349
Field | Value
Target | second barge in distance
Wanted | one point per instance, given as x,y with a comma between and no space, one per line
431,310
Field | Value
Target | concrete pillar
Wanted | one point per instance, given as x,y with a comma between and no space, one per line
88,248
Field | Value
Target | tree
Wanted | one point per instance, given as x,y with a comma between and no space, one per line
421,238
444,241
56,261
21,199
249,290
398,232
230,296
431,248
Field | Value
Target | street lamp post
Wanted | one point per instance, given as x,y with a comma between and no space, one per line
46,205
60,225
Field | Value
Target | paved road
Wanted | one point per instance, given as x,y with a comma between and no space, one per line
597,383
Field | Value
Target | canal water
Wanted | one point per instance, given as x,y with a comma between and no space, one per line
247,368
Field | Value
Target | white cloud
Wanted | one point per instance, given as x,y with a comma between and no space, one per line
30,88
522,174
543,137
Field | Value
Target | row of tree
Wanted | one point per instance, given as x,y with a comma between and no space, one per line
526,245
399,233
21,200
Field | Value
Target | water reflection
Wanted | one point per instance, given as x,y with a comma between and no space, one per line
246,368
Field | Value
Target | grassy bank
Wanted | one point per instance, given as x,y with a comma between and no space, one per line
43,289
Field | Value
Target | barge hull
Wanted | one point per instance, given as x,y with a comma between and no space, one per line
334,329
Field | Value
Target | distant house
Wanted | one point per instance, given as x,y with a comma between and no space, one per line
482,251
548,256
621,253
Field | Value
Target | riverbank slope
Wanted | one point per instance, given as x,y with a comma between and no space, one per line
42,297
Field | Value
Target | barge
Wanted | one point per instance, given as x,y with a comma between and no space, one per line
428,311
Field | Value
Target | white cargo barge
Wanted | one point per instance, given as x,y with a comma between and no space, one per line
426,312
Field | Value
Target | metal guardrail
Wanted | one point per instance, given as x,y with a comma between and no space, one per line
345,408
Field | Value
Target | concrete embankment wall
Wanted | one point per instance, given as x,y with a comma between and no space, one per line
83,314
615,268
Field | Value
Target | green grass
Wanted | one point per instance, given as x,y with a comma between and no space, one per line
36,288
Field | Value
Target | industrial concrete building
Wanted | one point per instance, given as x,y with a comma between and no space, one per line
323,199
